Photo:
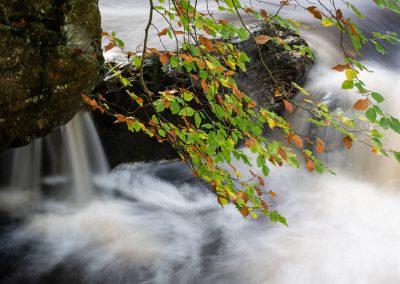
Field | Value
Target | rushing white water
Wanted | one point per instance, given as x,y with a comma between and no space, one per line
152,223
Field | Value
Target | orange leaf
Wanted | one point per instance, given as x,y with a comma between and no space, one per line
296,140
104,34
341,67
204,85
288,106
163,32
261,181
262,39
154,50
239,94
348,142
361,104
273,194
206,42
92,104
251,104
319,145
164,59
310,165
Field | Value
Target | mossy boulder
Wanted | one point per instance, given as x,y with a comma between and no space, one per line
122,146
50,55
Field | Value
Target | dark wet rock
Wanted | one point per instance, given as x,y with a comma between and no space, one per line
122,146
50,55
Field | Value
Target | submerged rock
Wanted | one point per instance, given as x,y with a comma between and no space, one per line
287,65
50,54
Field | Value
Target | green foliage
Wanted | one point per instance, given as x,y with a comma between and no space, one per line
213,117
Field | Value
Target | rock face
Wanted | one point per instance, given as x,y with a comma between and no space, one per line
50,54
288,66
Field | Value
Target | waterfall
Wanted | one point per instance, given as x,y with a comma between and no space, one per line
64,163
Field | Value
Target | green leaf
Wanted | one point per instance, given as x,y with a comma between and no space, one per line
137,61
377,97
384,123
395,124
371,115
197,119
187,111
348,85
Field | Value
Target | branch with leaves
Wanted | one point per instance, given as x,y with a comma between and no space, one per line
208,120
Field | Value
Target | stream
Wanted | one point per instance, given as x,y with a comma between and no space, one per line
75,221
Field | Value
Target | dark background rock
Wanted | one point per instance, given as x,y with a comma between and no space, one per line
50,54
122,146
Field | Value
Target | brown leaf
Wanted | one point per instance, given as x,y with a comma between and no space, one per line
319,145
104,34
245,211
261,181
348,142
264,14
264,204
341,67
206,42
154,50
315,12
361,104
163,32
239,94
262,39
207,29
92,104
108,46
273,194
213,184
288,106
282,153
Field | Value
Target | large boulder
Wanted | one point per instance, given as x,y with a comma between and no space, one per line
122,146
50,55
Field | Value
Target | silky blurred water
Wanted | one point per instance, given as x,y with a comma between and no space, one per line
153,223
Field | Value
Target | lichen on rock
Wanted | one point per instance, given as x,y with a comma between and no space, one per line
50,54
